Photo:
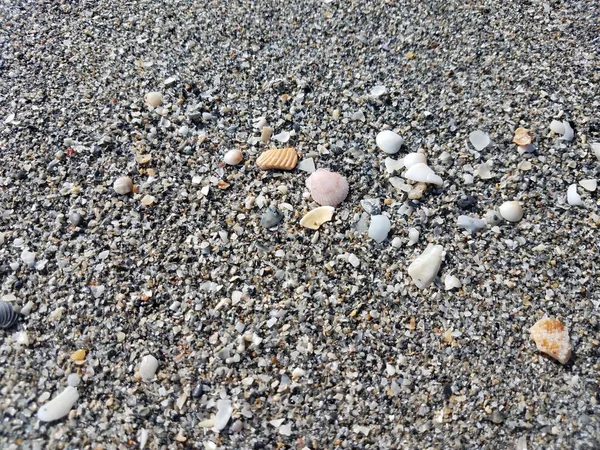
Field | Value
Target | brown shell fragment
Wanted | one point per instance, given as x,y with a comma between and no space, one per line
522,136
278,158
552,337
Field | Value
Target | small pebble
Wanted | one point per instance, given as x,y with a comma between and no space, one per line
353,260
379,228
466,202
73,380
511,211
271,218
389,142
148,367
451,282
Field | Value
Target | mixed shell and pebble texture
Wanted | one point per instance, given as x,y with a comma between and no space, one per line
205,303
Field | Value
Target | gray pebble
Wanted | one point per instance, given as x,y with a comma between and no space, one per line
271,218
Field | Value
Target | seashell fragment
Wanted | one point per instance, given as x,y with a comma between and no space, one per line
569,133
279,158
143,159
8,316
265,134
148,200
282,137
327,188
148,367
522,137
595,146
59,406
425,267
511,211
413,236
224,410
379,228
557,127
471,224
378,91
123,185
154,99
589,184
416,193
423,173
414,158
317,217
233,157
307,165
552,337
392,165
479,139
78,355
452,282
573,197
389,142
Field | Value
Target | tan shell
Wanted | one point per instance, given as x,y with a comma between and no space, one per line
522,136
317,217
279,158
552,337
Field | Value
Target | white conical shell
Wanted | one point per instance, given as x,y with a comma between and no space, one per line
423,173
479,139
327,188
123,185
317,217
389,142
59,406
379,228
511,211
414,158
573,197
426,266
153,98
233,157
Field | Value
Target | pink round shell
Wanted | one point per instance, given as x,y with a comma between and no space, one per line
327,188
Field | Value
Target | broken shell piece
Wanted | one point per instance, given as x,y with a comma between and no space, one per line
327,188
573,197
233,157
471,224
389,142
414,158
479,139
265,134
413,236
378,91
282,137
595,146
8,316
153,98
452,282
317,217
379,228
569,133
392,165
425,267
59,406
589,185
557,127
522,137
143,159
278,158
483,171
552,337
147,200
423,173
417,191
511,211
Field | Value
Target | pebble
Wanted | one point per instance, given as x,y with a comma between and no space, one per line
265,134
379,228
483,171
233,157
413,236
78,355
396,242
378,91
389,142
22,338
466,202
372,206
73,380
307,165
511,211
75,218
423,173
224,410
552,337
573,197
123,185
282,137
426,266
271,218
148,367
28,257
417,192
327,188
59,406
154,99
317,217
479,139
471,224
589,184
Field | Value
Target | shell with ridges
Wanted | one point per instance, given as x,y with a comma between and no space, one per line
327,188
317,217
278,158
8,316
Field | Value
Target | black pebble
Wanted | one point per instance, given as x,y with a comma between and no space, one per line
466,202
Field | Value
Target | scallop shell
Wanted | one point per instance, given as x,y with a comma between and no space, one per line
8,316
153,98
278,158
327,188
522,136
123,185
317,217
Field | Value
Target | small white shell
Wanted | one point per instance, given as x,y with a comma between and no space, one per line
557,126
153,98
148,367
233,157
414,158
59,406
423,173
511,211
569,133
392,165
224,410
573,197
479,139
389,142
123,185
317,217
425,267
379,228
451,282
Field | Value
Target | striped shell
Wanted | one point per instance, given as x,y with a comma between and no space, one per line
8,316
327,188
278,158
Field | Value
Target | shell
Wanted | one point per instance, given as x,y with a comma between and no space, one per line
552,337
573,197
327,188
425,267
148,367
557,127
8,316
153,98
123,185
233,157
479,139
389,142
278,158
522,136
379,228
589,184
423,173
511,211
59,406
317,217
414,158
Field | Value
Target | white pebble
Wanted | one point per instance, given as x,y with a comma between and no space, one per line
298,372
414,158
511,211
479,139
452,282
73,380
413,236
28,257
573,197
471,224
352,259
389,142
233,157
59,406
148,367
492,217
379,228
224,410
589,185
378,91
396,242
425,267
153,99
183,130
